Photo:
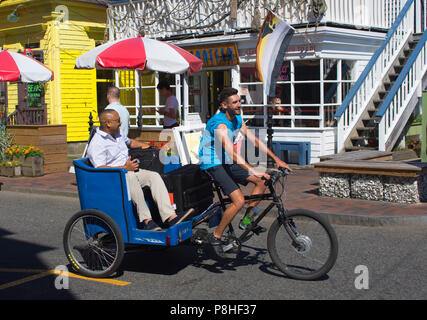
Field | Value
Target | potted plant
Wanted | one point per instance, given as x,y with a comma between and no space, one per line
1,168
32,165
8,170
18,153
16,168
5,144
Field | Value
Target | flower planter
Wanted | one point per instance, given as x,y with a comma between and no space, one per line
8,171
2,171
32,167
17,171
20,159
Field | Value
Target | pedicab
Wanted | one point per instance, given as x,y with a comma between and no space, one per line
301,244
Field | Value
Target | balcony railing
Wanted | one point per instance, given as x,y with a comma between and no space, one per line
164,18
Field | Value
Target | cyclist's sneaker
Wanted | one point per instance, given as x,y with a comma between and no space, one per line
217,246
151,226
180,218
258,229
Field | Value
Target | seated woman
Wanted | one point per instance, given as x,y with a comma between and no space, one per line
109,149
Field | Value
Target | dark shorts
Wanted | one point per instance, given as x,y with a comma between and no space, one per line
227,176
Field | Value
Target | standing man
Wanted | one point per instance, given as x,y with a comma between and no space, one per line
113,97
170,111
227,167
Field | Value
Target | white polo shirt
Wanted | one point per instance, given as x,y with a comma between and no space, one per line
104,150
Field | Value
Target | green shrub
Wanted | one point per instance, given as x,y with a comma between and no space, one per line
5,141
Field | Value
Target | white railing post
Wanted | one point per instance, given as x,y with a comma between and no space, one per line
340,133
185,90
381,134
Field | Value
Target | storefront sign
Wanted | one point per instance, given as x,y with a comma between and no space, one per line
220,55
298,49
34,95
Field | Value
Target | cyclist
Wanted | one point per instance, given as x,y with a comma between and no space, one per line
228,168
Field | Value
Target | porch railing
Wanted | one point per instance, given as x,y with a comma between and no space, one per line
161,18
402,92
28,116
362,93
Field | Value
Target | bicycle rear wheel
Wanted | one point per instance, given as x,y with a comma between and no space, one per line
314,252
93,244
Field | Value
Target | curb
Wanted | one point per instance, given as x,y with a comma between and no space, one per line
365,221
333,218
376,221
70,194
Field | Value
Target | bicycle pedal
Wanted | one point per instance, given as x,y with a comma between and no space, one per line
258,230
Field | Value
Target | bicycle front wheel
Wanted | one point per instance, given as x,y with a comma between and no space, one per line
312,253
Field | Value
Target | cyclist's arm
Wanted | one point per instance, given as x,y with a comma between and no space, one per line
222,135
262,147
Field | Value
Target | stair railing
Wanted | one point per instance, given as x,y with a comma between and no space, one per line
361,94
401,94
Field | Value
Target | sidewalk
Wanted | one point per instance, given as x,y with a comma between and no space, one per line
301,191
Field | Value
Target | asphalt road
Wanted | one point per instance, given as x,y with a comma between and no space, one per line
31,228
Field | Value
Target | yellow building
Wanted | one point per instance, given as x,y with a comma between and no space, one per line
58,32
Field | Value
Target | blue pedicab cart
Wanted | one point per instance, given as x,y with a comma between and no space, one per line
302,244
95,237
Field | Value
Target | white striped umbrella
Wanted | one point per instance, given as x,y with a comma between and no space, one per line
18,67
139,54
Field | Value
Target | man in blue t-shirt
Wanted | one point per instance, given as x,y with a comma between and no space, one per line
225,166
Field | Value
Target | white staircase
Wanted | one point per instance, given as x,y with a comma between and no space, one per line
377,108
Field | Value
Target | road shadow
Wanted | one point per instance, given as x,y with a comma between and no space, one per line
19,260
173,260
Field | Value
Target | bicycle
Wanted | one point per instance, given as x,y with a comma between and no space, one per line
295,234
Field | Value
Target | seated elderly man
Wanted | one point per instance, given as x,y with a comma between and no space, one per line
109,149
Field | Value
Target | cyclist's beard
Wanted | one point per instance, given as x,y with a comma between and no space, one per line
230,112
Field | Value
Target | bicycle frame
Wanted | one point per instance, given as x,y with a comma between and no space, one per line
266,196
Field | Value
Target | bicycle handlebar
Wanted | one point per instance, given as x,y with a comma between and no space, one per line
275,175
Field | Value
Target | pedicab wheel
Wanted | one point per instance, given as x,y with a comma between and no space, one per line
93,244
314,251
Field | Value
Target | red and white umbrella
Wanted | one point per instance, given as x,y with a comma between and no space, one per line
18,67
139,54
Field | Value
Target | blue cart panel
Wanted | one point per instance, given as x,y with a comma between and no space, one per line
107,190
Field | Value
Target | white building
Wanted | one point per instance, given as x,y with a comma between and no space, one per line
360,42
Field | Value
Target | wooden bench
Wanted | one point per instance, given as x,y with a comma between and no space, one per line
379,168
359,155
303,148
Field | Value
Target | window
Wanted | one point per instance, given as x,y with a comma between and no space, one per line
140,88
310,92
104,80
